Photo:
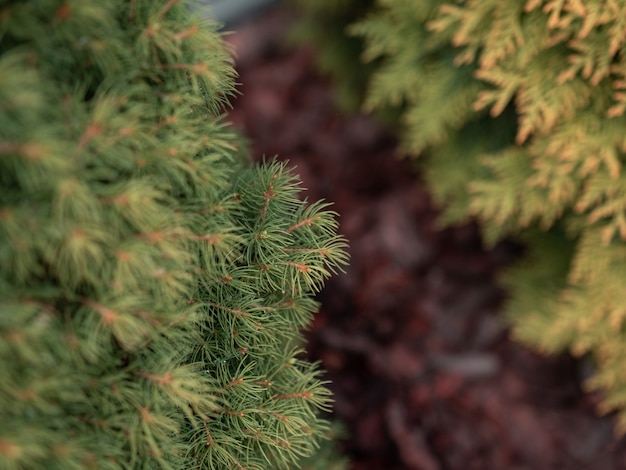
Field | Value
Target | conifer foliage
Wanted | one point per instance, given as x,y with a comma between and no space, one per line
153,283
518,111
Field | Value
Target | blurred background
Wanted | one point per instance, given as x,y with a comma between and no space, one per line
232,12
423,370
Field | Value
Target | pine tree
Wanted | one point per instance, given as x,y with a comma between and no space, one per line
517,111
153,281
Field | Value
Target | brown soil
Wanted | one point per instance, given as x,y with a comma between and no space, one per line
424,373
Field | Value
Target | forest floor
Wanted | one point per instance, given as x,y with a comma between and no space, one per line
424,373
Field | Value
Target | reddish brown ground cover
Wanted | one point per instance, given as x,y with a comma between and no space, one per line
424,373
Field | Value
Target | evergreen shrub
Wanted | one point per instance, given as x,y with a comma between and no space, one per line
517,109
153,281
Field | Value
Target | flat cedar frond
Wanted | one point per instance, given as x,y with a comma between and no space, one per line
588,59
507,84
617,29
455,95
541,106
589,264
604,200
618,72
512,169
504,37
535,286
474,17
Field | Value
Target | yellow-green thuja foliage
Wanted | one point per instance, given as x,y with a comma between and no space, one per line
153,282
518,111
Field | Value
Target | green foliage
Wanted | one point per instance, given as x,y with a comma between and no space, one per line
322,25
153,283
518,111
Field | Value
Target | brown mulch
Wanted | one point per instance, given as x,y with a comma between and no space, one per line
424,374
